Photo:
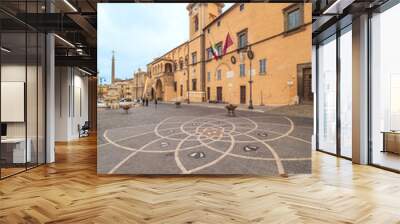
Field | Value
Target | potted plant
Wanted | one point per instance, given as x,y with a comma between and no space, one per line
126,107
231,109
178,104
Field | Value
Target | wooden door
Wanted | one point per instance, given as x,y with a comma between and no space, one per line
243,94
307,85
219,94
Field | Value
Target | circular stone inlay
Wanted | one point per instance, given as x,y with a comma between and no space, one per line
197,155
250,148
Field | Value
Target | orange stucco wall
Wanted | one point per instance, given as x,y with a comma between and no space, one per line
265,24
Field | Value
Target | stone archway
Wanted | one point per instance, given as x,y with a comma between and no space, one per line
223,64
159,93
152,94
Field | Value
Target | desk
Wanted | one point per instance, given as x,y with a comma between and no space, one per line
391,141
18,149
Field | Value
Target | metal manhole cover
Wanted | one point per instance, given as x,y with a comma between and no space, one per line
197,155
262,134
250,148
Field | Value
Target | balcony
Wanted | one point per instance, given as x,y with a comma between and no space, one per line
162,74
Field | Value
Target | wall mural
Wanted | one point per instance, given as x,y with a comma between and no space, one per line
202,108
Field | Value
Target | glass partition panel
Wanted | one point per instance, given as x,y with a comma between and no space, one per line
327,95
346,92
385,89
14,153
22,88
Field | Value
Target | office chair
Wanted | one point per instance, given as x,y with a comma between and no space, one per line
84,130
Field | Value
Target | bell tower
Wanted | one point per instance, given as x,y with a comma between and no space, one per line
113,67
200,15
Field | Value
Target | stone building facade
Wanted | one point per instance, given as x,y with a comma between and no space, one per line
129,89
278,35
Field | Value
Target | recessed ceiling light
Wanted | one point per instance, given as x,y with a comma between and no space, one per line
70,5
86,72
64,40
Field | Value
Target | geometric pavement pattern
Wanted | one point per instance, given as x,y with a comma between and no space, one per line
250,143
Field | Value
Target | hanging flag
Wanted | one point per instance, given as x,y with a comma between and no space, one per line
214,51
228,43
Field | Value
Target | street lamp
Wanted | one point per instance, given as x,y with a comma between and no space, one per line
188,90
250,55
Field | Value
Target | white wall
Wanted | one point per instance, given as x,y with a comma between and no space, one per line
62,82
12,73
71,102
16,73
80,109
33,126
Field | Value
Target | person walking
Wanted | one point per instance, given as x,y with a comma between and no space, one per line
147,102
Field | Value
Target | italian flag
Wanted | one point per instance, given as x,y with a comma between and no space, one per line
214,51
228,43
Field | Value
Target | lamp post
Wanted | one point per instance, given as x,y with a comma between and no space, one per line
188,84
188,89
250,55
188,71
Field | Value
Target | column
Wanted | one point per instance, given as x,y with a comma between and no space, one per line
360,90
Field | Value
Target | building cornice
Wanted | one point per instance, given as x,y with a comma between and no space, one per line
221,15
162,57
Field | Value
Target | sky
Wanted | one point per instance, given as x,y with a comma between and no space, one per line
138,33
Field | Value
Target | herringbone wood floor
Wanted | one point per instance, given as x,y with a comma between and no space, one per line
69,191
